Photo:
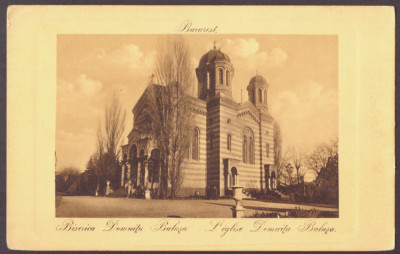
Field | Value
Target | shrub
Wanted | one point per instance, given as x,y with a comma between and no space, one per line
303,213
252,192
139,193
263,215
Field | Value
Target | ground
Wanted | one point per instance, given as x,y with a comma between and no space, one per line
107,207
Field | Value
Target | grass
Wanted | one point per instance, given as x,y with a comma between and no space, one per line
296,213
58,200
303,213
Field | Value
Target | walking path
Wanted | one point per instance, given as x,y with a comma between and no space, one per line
106,207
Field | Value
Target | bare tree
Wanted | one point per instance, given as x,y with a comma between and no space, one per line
278,159
114,125
98,158
297,159
109,137
287,171
169,109
319,157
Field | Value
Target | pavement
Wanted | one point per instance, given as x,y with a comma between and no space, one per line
112,207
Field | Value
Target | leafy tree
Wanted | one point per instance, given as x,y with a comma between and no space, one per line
327,181
65,178
323,161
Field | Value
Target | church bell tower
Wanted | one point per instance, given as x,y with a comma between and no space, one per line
214,74
258,92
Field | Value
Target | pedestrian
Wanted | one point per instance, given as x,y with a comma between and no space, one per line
215,192
130,190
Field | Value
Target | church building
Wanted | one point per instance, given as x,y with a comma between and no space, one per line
231,142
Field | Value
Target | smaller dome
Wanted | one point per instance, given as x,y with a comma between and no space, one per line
258,80
213,55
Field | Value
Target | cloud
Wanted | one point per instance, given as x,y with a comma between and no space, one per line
76,121
246,52
242,47
277,58
80,86
88,86
308,115
127,56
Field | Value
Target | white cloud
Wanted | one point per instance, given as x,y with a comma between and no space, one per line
78,87
307,116
242,47
127,56
277,58
88,86
245,52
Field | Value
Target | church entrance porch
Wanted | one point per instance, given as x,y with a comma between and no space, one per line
231,175
270,178
142,172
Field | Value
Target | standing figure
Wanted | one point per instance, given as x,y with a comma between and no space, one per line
130,189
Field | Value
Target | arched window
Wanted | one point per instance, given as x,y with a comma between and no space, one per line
244,149
228,142
195,144
234,175
221,76
267,150
248,146
133,152
260,94
228,78
187,151
251,151
265,96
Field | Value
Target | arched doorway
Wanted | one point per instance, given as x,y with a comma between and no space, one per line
273,180
267,177
234,174
134,164
154,176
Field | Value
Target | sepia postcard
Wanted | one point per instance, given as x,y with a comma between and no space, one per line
200,128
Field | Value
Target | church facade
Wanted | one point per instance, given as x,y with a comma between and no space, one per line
231,143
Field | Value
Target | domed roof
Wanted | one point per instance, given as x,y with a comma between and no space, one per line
213,55
258,80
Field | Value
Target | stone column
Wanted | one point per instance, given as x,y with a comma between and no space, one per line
224,77
147,194
159,175
271,184
208,81
129,166
146,172
139,169
123,175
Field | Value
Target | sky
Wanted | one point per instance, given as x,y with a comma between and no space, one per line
301,70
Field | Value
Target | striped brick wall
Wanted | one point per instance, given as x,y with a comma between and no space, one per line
219,117
195,171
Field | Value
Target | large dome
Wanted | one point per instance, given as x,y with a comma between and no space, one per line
213,55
